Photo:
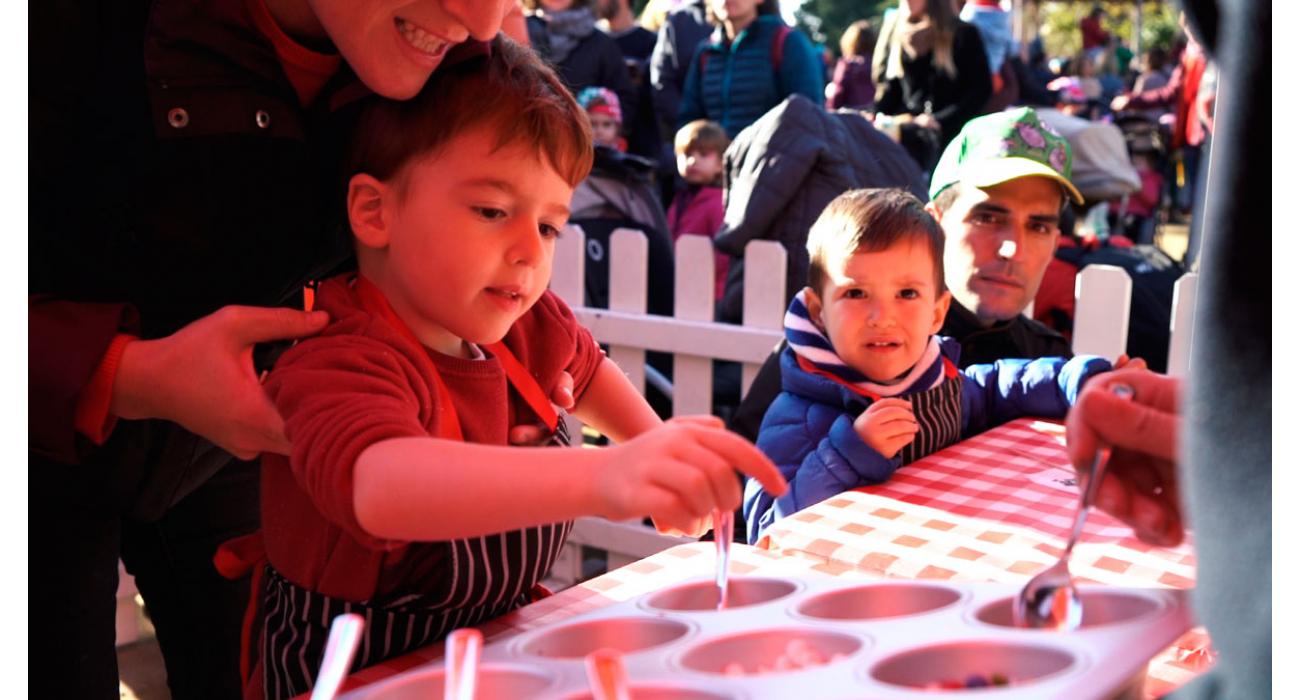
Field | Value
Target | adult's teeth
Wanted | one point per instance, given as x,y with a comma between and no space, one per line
419,38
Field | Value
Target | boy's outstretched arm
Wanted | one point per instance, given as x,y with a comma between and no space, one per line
1008,389
613,406
424,488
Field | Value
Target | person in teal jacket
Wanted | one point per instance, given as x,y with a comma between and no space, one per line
752,62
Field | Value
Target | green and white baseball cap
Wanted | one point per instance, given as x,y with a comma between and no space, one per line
998,148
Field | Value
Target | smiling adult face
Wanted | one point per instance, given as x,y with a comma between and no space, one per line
394,45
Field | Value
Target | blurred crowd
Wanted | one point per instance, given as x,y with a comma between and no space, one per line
701,107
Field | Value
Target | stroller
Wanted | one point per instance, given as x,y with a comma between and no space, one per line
1144,137
619,193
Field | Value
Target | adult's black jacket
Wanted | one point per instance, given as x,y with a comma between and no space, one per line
954,100
782,170
168,179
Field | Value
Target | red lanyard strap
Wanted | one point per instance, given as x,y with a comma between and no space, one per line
526,385
372,298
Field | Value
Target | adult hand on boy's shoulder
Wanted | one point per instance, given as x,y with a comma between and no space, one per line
203,378
887,426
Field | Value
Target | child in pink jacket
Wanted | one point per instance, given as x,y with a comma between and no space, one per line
697,208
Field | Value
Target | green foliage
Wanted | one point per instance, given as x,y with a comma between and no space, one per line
826,20
1059,24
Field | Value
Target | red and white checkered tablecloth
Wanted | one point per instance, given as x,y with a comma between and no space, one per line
995,507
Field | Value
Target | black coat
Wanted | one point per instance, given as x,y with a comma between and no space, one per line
954,100
783,169
595,62
159,195
684,30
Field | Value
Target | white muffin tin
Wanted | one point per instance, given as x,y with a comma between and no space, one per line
895,637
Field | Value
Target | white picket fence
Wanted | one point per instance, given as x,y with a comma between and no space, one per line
1102,294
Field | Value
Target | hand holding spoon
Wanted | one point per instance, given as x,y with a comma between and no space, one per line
1050,600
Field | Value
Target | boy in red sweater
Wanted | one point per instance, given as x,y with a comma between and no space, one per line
401,499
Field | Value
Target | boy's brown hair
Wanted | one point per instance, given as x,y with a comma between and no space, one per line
701,135
872,220
506,88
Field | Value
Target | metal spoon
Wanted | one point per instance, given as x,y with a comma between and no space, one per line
464,647
1049,600
345,634
724,524
607,675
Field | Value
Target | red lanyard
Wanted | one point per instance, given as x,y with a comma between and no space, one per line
373,300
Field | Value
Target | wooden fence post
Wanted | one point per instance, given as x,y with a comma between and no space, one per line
1101,311
693,285
766,297
1181,331
629,263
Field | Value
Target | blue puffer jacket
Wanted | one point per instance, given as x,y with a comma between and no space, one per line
808,431
739,83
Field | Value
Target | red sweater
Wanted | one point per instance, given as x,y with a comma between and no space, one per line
359,382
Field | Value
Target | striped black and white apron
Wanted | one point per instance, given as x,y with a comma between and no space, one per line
489,576
938,412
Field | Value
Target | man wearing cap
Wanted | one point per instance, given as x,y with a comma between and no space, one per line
997,192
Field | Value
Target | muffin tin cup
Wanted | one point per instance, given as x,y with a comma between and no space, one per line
888,639
975,664
878,601
772,650
702,596
661,691
628,635
494,681
1100,608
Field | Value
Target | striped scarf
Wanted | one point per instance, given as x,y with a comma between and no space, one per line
812,346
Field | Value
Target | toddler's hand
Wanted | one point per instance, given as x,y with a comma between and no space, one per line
1126,362
887,426
679,472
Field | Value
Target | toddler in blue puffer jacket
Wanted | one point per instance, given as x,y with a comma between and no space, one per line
867,386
